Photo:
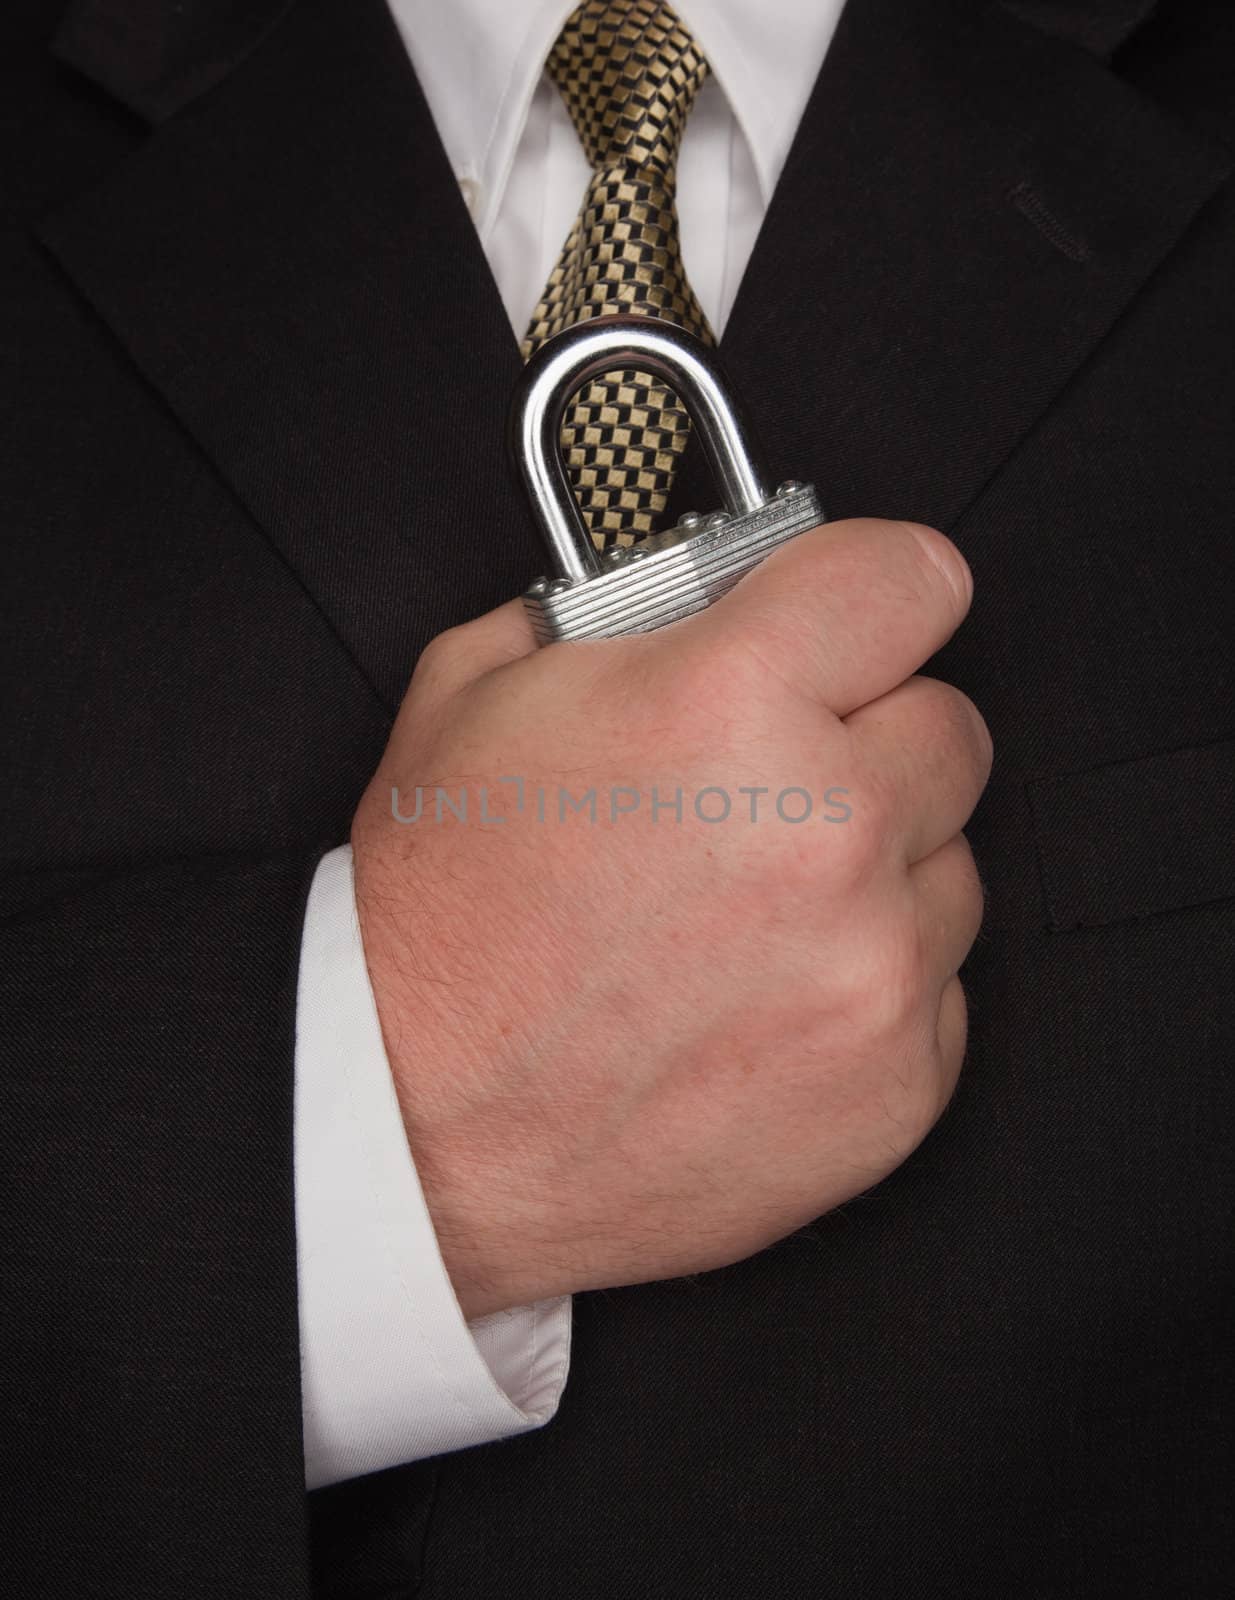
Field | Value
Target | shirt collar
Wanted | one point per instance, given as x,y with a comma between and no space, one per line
765,55
479,61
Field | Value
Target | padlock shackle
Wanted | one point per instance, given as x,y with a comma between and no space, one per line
567,361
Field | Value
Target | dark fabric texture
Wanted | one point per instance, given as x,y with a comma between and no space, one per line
257,374
1089,876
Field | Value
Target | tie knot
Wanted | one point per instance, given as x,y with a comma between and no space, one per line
629,72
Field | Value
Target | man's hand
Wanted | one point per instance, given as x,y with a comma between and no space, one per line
635,1047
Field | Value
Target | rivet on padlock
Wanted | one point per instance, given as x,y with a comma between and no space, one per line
670,574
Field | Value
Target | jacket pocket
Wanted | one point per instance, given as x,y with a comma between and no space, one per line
1139,837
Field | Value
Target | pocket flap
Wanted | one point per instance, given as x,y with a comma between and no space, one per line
1138,837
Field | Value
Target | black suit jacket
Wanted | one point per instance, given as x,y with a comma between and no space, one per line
254,461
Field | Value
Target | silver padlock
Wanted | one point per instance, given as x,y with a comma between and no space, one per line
670,574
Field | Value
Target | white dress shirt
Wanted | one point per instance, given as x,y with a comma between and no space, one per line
391,1371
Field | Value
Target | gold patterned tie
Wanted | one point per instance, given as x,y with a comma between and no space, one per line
629,72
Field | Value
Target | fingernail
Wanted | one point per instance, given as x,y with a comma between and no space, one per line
947,559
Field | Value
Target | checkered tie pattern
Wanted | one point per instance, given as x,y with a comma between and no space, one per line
629,72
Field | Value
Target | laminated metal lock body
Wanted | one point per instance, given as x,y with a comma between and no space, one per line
681,570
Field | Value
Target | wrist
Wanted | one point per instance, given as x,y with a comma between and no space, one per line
448,1089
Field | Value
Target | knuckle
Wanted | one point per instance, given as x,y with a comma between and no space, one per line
952,1037
952,727
956,860
972,895
908,1102
968,727
945,1079
902,991
926,1091
956,900
932,1085
933,1091
860,848
885,996
874,805
949,738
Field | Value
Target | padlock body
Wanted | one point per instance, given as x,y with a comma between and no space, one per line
671,575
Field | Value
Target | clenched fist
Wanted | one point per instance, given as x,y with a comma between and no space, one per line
664,931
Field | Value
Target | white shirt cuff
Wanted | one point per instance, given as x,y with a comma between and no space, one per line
390,1370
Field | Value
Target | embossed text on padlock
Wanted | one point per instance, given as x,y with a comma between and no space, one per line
686,567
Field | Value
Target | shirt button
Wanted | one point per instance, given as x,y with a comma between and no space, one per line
470,189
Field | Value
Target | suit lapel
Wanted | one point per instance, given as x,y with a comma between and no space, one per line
288,259
969,206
